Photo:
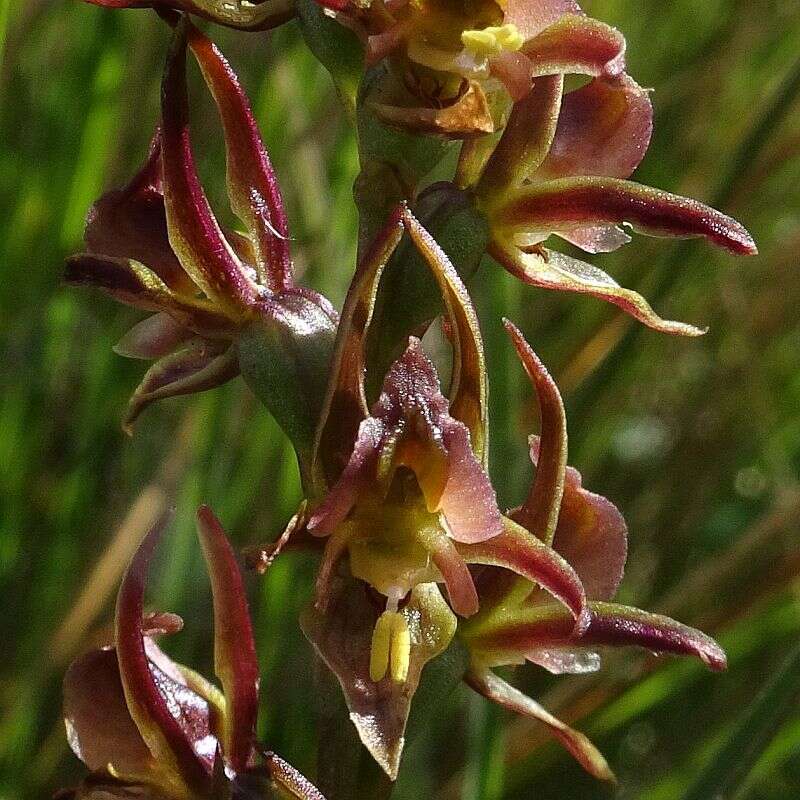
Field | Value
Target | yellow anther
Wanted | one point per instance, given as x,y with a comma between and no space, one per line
492,41
401,648
381,644
391,648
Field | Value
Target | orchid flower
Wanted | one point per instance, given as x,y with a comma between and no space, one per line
560,168
409,507
452,67
225,302
519,622
241,14
148,727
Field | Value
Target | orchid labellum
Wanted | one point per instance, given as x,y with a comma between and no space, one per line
149,727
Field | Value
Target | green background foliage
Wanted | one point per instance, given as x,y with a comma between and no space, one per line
697,441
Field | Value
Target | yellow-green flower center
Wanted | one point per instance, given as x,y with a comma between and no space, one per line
492,41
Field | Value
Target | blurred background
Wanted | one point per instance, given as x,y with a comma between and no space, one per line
697,441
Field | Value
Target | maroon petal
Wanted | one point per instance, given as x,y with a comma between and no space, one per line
131,223
195,368
617,625
194,232
578,45
520,551
468,502
552,270
591,535
130,282
540,626
455,572
235,661
604,129
573,202
526,139
468,402
532,18
539,512
252,184
100,730
357,474
153,337
161,725
498,691
342,636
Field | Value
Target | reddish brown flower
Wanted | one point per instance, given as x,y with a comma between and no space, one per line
452,67
149,727
519,622
409,507
560,168
157,245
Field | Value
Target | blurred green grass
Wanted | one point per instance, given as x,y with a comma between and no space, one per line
697,441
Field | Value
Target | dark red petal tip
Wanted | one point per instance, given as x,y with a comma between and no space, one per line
235,658
159,728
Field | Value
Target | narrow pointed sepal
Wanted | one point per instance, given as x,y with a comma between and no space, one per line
252,185
540,511
498,691
519,551
559,205
550,269
613,624
194,233
162,730
135,284
194,368
468,403
541,625
235,661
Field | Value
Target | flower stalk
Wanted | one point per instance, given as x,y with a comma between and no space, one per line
473,153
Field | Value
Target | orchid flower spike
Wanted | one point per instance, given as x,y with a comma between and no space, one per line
518,622
148,727
408,507
225,302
